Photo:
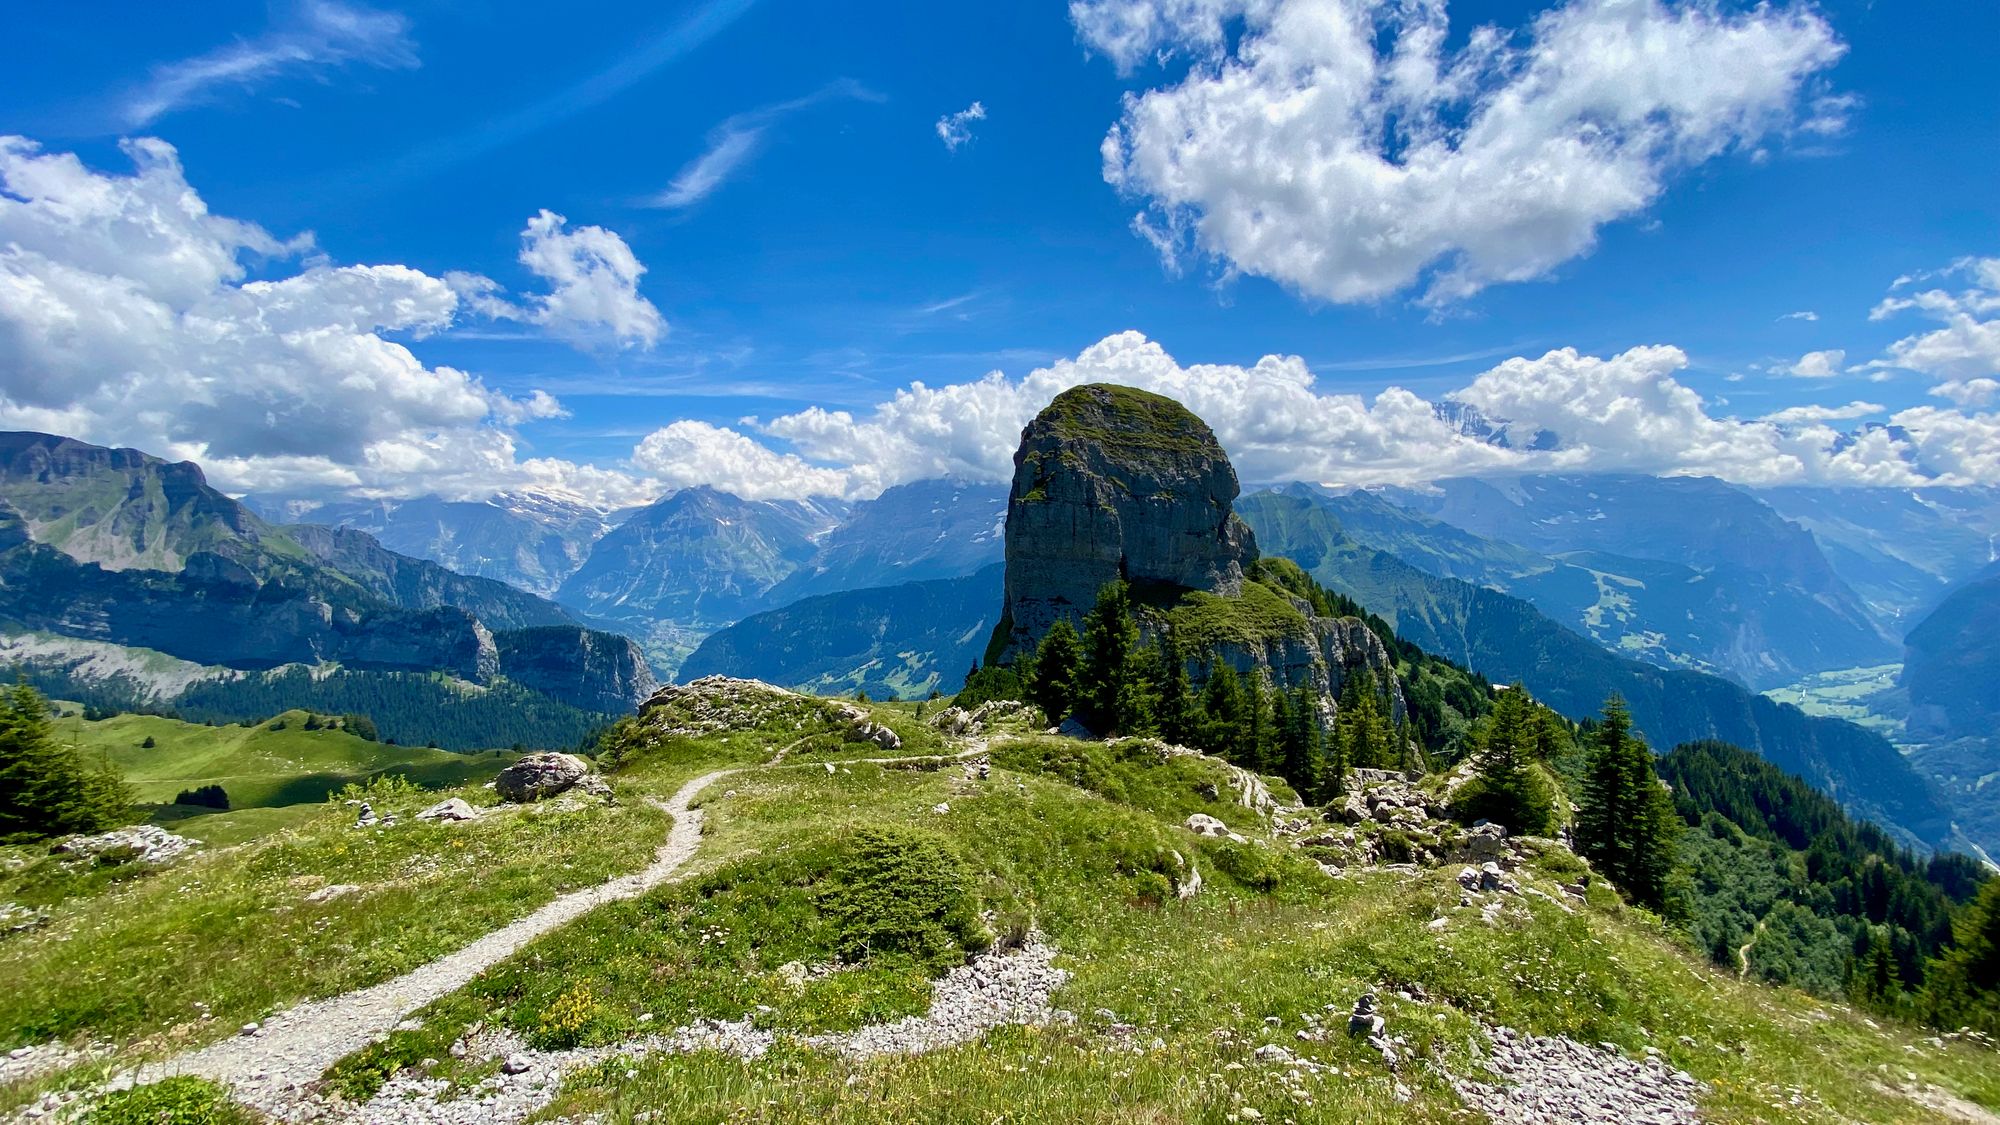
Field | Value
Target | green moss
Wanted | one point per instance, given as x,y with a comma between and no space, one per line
1259,615
1125,419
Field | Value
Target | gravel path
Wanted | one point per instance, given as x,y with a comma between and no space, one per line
996,989
271,1068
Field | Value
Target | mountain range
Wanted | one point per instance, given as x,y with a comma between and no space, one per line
1661,589
115,548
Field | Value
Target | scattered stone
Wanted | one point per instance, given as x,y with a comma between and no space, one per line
331,892
140,843
1554,1080
455,808
1202,824
365,817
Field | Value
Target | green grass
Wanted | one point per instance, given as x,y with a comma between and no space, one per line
1084,842
130,951
271,764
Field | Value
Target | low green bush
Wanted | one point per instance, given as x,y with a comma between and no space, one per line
181,1100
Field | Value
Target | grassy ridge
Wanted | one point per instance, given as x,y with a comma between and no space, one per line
272,764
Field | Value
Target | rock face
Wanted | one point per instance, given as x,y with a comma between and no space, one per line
1112,482
581,667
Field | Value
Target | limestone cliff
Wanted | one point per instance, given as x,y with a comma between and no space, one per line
1112,482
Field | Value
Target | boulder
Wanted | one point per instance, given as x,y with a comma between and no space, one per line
537,776
1202,824
452,809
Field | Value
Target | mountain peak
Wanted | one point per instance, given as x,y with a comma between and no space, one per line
1111,482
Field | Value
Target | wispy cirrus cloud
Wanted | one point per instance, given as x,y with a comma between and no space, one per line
311,39
738,139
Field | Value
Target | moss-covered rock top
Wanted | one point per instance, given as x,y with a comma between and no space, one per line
1125,420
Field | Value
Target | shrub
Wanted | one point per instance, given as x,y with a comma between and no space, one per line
904,892
1248,864
181,1100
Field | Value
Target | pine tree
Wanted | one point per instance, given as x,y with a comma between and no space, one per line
1507,789
1057,671
1367,740
1177,712
1112,700
1627,827
1300,741
1259,750
1875,981
1225,710
46,788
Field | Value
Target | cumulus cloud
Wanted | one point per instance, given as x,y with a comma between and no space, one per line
1965,352
954,129
688,453
1561,412
1793,415
594,283
737,141
1969,392
1815,365
315,37
125,318
1339,148
1803,314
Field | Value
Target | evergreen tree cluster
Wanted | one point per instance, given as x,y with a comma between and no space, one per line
46,786
206,796
1784,884
1514,745
1115,682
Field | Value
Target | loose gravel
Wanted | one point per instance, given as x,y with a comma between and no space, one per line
1556,1080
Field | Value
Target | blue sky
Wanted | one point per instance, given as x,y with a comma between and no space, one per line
833,248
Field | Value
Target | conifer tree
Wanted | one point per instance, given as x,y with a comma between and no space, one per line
1259,748
1225,710
1507,789
1301,744
1367,740
1057,672
1627,827
1177,712
1112,699
46,788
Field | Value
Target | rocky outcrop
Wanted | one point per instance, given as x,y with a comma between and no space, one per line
1109,483
584,668
1115,483
537,776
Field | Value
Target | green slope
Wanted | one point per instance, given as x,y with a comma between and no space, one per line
272,764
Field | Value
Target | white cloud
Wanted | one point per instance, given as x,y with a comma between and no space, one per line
688,453
954,129
124,318
1966,351
1815,365
1793,415
1340,149
1560,412
316,36
1803,314
594,279
737,140
1969,392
